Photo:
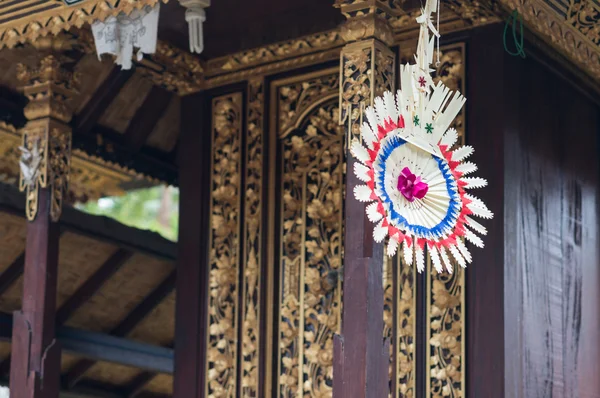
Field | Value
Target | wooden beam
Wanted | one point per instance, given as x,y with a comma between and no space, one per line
92,285
146,117
96,227
103,347
35,368
85,120
12,273
136,387
192,263
95,389
126,326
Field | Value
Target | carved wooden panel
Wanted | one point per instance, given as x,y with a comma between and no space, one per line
251,334
310,142
224,255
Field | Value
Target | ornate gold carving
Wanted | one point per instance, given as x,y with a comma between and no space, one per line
445,307
585,17
45,163
388,311
296,99
311,239
406,332
90,177
445,292
224,246
35,19
574,32
366,27
367,71
275,67
48,89
251,295
46,148
369,19
275,52
173,69
474,12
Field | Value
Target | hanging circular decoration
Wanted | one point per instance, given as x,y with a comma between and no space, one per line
415,178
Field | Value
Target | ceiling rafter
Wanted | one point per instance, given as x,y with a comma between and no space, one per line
152,110
85,120
13,272
136,386
81,295
72,378
92,285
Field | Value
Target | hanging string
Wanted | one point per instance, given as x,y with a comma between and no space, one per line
512,20
439,11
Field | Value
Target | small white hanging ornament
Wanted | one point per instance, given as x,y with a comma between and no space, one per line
119,35
195,17
413,176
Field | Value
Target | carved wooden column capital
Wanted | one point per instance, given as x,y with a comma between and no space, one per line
367,61
46,149
368,19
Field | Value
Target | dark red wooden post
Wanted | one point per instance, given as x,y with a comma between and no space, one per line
361,358
35,365
192,261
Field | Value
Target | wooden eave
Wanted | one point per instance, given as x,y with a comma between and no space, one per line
112,127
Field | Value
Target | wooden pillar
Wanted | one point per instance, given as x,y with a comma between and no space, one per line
361,358
192,261
35,366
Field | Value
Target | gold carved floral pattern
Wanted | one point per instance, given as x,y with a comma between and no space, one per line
573,30
584,15
404,347
311,244
224,246
295,99
445,297
45,164
18,26
46,147
251,296
361,61
275,52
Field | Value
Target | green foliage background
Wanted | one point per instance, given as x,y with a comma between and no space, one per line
155,209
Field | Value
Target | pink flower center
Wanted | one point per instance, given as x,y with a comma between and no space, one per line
411,186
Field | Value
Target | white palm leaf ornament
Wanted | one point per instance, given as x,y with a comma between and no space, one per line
416,182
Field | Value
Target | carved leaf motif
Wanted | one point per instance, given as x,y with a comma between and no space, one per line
224,250
312,191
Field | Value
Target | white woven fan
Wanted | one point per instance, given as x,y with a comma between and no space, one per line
416,182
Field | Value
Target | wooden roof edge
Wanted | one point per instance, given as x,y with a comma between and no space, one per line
97,227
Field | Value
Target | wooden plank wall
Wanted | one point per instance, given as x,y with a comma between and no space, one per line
548,217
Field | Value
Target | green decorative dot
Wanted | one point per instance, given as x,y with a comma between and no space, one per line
429,128
416,120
